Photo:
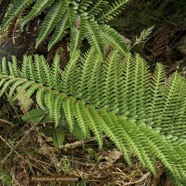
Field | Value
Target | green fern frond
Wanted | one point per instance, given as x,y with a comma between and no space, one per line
171,101
14,11
86,68
56,76
69,111
31,69
112,11
46,71
57,109
40,77
38,7
60,31
143,35
52,18
84,4
97,7
117,96
113,38
39,97
94,36
16,70
78,34
157,100
69,74
111,90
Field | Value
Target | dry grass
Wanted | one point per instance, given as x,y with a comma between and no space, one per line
26,152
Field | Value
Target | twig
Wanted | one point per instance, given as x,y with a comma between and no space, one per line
7,122
75,144
138,181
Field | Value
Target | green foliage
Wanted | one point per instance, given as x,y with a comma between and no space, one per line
83,18
142,113
143,35
35,115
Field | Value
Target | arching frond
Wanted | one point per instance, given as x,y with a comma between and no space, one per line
14,11
111,10
78,32
114,39
60,31
140,112
52,18
38,7
93,35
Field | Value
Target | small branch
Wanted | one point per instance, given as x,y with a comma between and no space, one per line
7,122
75,144
139,181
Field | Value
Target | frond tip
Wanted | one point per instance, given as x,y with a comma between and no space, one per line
116,96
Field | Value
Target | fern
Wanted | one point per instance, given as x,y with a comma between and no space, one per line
112,10
83,18
143,35
36,10
140,112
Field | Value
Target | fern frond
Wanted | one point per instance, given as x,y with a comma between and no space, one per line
93,123
40,76
114,39
31,69
60,31
69,111
14,11
143,35
30,91
112,11
135,139
4,69
78,34
46,71
86,68
68,75
6,84
95,83
110,91
52,18
97,7
80,111
83,19
14,86
72,12
168,115
56,75
115,134
23,88
15,68
39,97
140,112
38,7
125,89
57,108
157,95
93,35
83,6
24,70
